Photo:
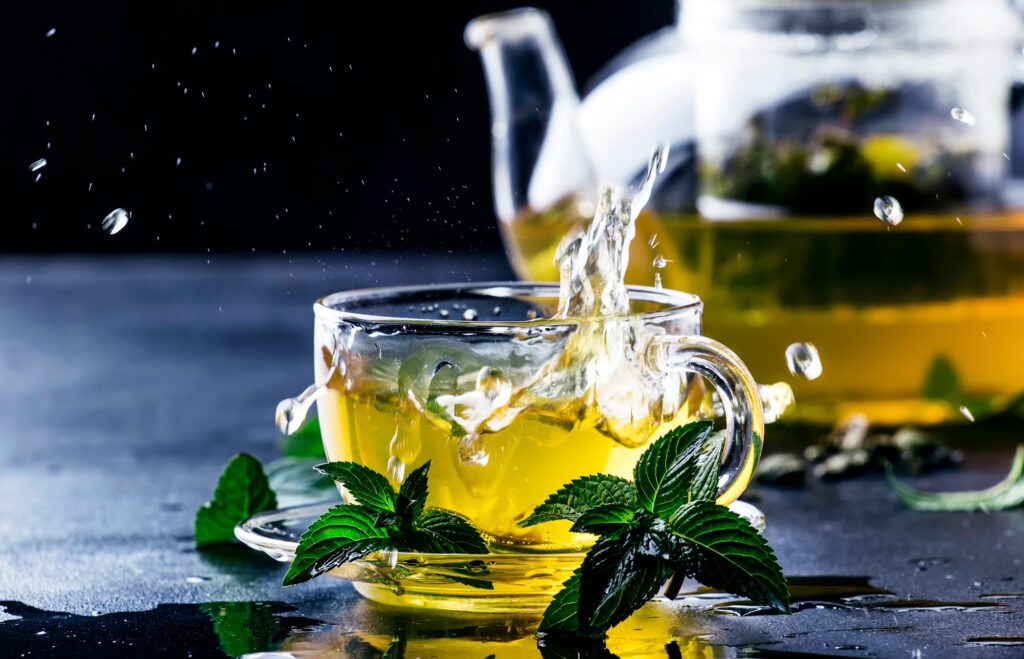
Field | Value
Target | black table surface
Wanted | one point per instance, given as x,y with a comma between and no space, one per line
126,383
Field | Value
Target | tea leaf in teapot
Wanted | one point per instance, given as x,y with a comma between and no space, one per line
242,490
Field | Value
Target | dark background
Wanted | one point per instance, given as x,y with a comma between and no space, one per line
323,126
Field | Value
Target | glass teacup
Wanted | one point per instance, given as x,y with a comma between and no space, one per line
478,380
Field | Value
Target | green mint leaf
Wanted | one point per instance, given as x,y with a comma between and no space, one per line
364,484
561,615
306,442
705,481
251,627
563,647
387,519
728,553
618,578
396,648
297,480
582,494
941,381
1008,493
664,472
342,534
412,495
434,408
605,520
438,531
242,490
472,582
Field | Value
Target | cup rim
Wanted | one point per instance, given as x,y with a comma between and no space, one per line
324,307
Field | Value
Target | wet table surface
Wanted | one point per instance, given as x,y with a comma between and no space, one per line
126,383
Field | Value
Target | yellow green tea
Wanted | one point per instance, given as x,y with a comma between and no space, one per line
911,321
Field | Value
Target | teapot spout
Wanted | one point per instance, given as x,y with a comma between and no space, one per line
539,157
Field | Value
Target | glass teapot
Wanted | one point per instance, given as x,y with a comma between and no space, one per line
793,124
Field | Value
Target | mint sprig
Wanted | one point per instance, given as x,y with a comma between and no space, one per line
242,490
382,519
663,523
1007,493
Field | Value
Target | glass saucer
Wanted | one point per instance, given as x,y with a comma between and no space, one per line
498,582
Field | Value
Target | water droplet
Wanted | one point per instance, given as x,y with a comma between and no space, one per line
653,242
888,210
963,116
444,313
776,400
396,469
41,632
531,314
197,579
900,167
496,311
472,450
803,361
37,165
967,413
959,221
469,314
52,31
117,220
291,412
660,261
657,280
194,49
178,162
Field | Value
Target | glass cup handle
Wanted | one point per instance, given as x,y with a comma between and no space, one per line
736,386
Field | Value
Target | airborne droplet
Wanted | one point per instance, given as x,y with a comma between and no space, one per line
963,116
888,210
803,360
469,314
117,220
37,165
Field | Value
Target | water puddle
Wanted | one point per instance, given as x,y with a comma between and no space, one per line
996,640
360,629
835,593
197,630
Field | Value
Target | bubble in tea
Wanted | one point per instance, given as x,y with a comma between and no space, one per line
803,360
888,210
